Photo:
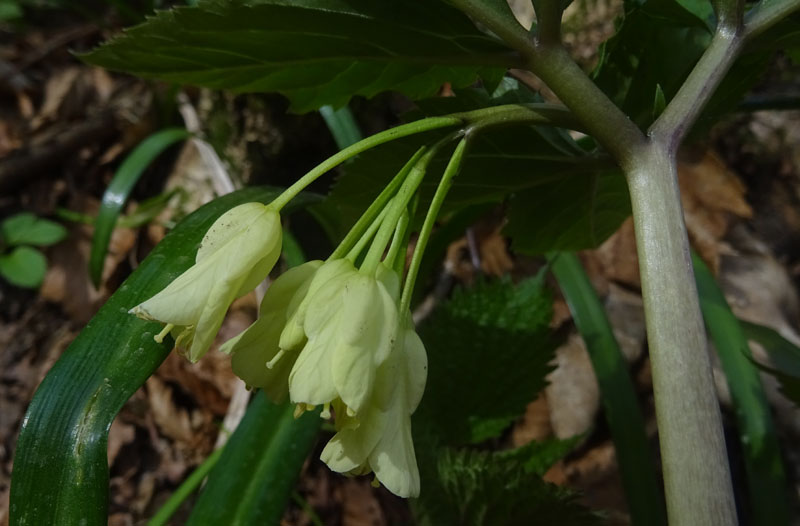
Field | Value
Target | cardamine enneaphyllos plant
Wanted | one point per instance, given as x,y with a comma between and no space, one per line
672,67
336,333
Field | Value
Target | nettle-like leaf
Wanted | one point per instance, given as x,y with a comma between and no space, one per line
488,353
475,488
489,350
315,52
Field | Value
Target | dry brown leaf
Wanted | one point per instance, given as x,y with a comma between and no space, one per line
625,311
56,90
172,421
573,395
615,259
595,474
210,381
495,259
119,435
711,195
359,505
534,424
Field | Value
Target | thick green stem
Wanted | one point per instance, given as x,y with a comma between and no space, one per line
548,21
766,14
696,475
551,62
682,111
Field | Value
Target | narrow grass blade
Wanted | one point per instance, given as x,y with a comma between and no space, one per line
120,188
186,488
624,417
256,474
342,125
762,459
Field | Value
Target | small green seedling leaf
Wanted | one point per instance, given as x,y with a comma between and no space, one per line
659,103
23,267
27,229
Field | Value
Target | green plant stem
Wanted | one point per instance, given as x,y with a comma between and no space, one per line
445,183
186,488
352,255
376,207
729,14
696,475
398,205
397,239
766,14
596,112
404,130
342,125
679,115
548,21
545,114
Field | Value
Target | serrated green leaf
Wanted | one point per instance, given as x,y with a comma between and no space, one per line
315,52
571,213
27,229
23,267
489,350
475,488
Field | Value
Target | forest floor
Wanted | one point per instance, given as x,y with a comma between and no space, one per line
65,127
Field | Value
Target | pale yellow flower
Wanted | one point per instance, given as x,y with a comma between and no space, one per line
350,324
257,358
236,254
382,441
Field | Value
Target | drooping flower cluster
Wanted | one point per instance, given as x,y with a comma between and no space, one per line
338,342
330,334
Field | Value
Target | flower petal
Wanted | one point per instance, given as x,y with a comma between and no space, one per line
393,460
294,333
368,329
349,449
416,361
258,344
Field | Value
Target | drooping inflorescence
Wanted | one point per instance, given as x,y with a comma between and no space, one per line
335,334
